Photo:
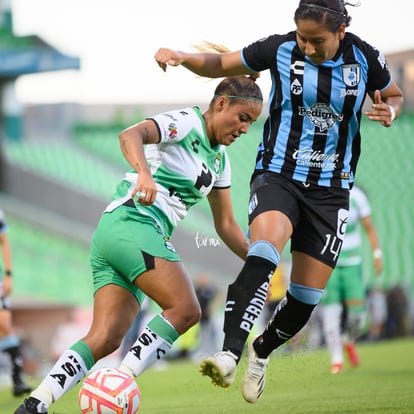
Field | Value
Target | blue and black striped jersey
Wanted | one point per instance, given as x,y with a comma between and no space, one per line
312,133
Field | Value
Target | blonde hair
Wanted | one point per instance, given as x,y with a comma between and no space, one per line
209,47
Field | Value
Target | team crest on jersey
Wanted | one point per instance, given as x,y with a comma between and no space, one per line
217,163
351,74
321,115
168,244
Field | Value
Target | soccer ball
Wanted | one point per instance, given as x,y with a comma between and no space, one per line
109,391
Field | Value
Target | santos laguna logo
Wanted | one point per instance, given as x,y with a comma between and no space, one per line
321,115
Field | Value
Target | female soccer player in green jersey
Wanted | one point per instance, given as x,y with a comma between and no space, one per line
177,159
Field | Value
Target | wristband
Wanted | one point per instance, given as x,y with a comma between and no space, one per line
377,254
8,273
392,110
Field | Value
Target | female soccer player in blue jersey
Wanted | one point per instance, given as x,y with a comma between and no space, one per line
305,166
178,158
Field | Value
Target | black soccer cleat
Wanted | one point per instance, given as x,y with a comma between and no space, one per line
30,406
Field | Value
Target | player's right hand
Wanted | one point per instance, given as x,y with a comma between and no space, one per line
167,57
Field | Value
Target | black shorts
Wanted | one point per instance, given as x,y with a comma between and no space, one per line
318,214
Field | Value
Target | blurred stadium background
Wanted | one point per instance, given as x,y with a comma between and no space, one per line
59,165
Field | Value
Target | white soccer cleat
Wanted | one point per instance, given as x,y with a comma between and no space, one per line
254,378
221,368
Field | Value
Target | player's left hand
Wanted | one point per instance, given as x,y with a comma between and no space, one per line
380,111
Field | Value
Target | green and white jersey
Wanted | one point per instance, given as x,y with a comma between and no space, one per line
359,208
183,164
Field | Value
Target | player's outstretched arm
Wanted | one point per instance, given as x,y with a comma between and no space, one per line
207,64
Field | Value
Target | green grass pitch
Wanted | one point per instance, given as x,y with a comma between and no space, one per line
297,383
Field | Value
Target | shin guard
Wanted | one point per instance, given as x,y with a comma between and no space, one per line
246,297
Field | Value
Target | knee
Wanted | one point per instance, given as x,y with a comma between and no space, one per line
190,316
183,312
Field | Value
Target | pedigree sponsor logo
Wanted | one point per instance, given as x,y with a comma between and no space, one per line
321,115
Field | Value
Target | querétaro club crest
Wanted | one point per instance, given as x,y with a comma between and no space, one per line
351,74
